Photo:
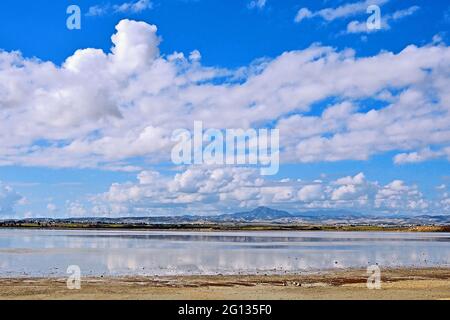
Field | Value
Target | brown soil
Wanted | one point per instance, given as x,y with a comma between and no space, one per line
433,283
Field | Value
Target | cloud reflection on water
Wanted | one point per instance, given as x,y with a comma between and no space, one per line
48,253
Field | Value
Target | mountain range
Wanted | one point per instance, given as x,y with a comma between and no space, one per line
266,215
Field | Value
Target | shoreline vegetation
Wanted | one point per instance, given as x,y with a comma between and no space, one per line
258,219
221,227
396,284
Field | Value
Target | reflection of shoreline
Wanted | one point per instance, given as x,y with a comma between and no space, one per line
400,283
207,260
108,253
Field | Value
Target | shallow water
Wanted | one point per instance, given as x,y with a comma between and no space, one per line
110,253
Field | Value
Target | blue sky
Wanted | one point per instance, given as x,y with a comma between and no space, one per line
234,35
58,153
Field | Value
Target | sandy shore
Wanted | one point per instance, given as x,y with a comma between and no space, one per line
433,283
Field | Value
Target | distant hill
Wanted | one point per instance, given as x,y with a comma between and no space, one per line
260,213
265,215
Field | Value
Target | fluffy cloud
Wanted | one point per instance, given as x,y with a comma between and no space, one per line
76,209
198,188
126,7
412,119
422,155
137,6
8,200
386,21
97,10
341,12
212,190
398,196
100,109
356,9
310,193
352,189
